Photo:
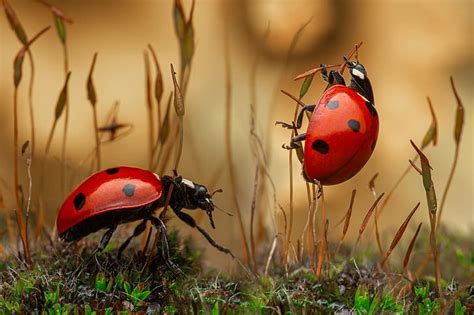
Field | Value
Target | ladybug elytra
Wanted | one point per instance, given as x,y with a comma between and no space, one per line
343,128
125,194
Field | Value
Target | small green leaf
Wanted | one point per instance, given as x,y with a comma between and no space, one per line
18,67
60,28
306,85
215,308
459,309
109,311
427,181
91,95
15,23
179,19
458,127
62,99
178,95
159,77
187,47
127,287
165,127
431,135
100,282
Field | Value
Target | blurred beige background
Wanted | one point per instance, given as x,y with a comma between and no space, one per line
410,49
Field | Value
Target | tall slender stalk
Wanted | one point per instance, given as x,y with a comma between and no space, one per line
66,123
149,107
92,96
18,73
16,182
229,154
458,127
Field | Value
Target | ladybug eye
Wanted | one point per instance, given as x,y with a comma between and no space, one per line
201,191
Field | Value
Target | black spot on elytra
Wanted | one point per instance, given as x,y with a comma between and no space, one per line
373,145
112,171
333,104
320,146
354,125
371,108
79,201
129,190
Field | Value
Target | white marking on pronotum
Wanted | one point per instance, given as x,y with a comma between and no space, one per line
188,183
358,74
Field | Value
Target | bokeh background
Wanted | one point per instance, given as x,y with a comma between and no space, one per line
410,49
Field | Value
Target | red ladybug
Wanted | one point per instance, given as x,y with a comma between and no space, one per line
125,194
342,131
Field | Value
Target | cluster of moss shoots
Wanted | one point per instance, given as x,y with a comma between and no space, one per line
275,277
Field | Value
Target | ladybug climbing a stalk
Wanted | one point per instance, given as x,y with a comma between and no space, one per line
343,128
125,194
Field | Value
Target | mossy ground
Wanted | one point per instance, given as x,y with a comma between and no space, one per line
138,283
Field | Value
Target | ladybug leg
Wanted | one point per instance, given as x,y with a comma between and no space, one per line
103,243
333,78
295,142
189,220
105,240
299,119
165,252
138,230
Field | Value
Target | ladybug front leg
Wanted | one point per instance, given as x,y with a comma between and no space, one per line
138,230
105,240
103,243
165,252
189,220
333,78
295,142
299,120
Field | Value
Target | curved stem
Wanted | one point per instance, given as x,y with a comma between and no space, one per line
66,122
30,102
16,182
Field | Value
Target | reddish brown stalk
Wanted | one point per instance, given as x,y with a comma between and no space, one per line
149,107
66,121
457,137
229,154
318,69
19,209
406,260
366,221
432,209
376,216
270,256
323,247
399,234
252,217
158,85
180,110
18,64
93,100
347,220
294,98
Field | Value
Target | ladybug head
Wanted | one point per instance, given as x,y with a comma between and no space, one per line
357,70
360,81
196,196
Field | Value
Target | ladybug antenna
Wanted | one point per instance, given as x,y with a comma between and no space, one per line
226,212
216,191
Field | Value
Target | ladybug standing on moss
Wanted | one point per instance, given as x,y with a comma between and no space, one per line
343,128
125,194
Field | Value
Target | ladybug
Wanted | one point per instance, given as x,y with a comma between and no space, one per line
343,128
125,194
